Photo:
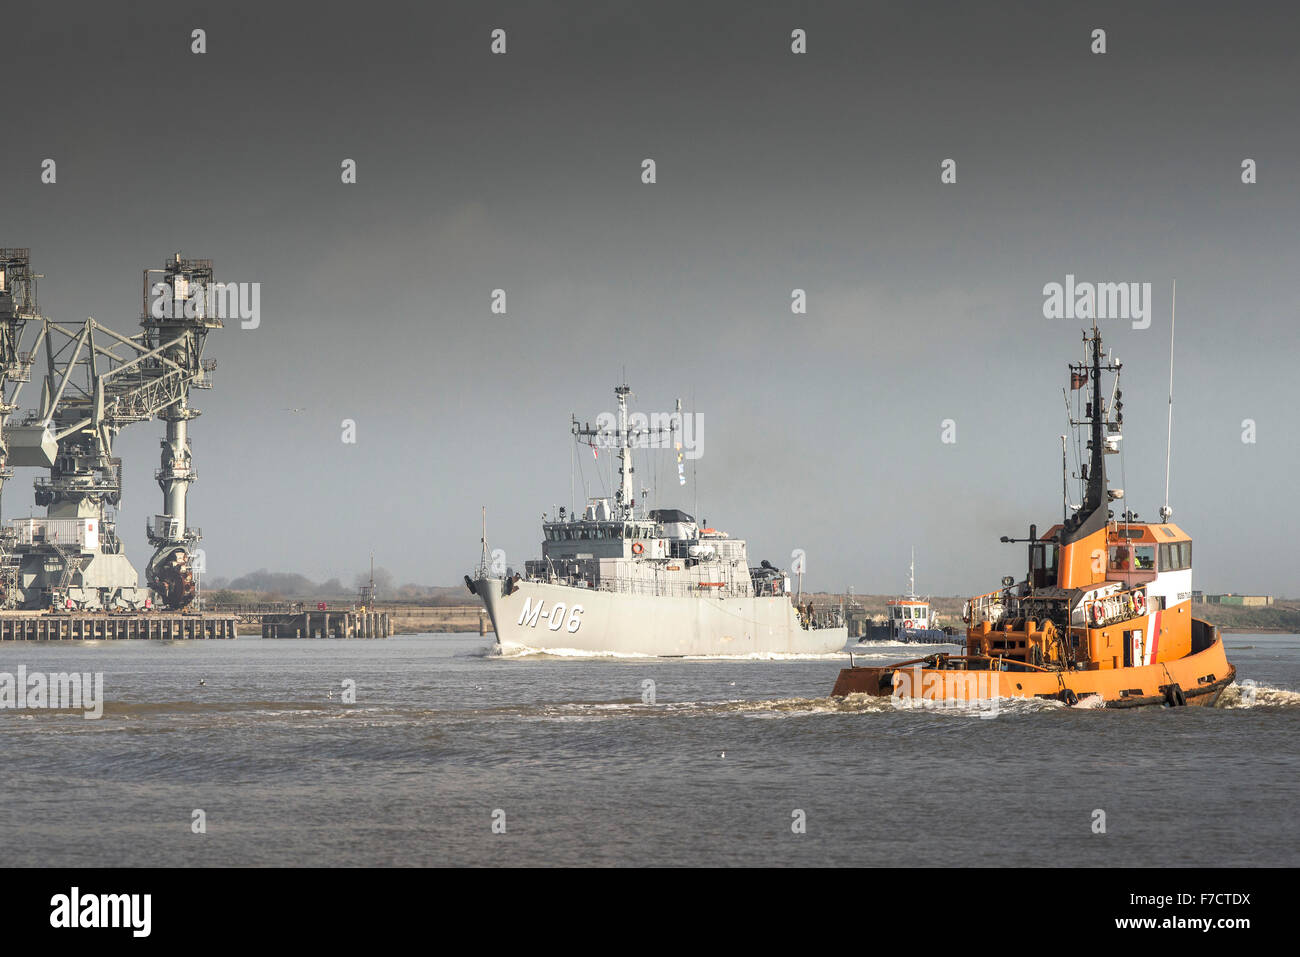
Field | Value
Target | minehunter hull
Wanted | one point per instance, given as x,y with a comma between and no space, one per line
542,617
1197,680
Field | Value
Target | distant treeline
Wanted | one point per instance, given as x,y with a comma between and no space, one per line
264,585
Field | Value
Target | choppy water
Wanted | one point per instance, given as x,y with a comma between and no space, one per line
442,735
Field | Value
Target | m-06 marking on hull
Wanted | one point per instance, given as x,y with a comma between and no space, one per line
531,614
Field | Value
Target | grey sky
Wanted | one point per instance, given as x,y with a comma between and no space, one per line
775,171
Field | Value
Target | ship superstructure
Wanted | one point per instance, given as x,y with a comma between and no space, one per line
617,579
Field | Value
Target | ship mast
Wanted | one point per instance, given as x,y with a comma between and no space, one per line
1094,512
624,499
1096,491
624,438
1165,510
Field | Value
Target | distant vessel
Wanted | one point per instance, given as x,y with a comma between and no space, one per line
624,582
908,619
1104,611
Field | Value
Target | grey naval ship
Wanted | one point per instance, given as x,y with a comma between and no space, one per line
652,583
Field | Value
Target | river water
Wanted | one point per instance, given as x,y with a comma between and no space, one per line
450,755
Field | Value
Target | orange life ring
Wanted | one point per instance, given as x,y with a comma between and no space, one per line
637,548
1097,613
1139,603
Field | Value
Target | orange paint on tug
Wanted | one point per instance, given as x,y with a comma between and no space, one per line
1104,613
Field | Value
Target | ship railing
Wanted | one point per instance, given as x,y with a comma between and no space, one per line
812,617
1117,606
993,607
822,619
651,588
672,589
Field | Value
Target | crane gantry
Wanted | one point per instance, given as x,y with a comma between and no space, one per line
96,383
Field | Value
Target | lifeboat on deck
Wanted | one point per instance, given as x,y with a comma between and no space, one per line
1103,616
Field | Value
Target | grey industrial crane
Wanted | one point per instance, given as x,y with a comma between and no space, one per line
96,383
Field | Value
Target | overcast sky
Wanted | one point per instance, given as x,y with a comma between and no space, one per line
775,171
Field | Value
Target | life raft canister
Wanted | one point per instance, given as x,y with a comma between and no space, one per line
637,548
1097,613
1139,603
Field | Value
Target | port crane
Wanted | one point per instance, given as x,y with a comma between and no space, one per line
96,383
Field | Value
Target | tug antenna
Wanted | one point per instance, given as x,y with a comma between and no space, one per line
1165,510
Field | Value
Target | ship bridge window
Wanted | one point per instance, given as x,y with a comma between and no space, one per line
1120,558
1043,564
1144,558
1176,556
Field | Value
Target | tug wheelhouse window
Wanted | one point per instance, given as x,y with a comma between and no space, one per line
1042,564
1144,558
1175,556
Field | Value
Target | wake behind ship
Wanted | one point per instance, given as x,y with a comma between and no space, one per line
617,581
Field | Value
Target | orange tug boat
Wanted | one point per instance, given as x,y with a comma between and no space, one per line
1103,617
